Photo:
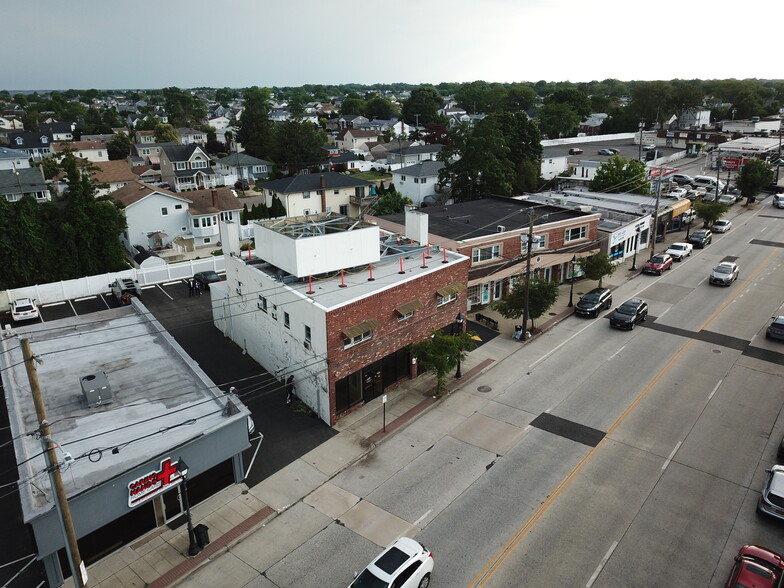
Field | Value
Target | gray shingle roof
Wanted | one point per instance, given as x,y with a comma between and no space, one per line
31,179
241,159
424,169
308,182
417,149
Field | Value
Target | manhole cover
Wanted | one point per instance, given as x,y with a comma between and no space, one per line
717,351
484,389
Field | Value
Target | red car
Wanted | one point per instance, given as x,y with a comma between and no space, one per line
657,264
756,567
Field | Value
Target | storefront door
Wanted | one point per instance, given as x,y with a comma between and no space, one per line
486,293
172,504
372,381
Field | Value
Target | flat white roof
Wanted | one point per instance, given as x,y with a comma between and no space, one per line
751,145
162,399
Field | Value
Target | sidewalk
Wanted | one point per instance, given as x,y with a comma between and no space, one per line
159,559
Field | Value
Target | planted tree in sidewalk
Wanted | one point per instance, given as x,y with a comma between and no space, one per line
597,266
755,175
441,352
710,212
542,294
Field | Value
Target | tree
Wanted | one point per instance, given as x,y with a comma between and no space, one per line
148,123
254,129
576,100
165,133
184,109
597,266
352,104
652,101
542,294
558,120
225,96
754,175
686,95
119,146
422,106
297,145
441,353
379,108
277,209
618,175
520,97
390,203
710,212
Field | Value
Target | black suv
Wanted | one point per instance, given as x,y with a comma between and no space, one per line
629,314
701,238
593,302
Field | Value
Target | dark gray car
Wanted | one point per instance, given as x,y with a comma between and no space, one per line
593,302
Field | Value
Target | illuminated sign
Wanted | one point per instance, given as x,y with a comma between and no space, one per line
154,483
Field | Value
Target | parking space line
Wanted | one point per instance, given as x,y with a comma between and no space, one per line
85,298
714,389
172,283
669,457
601,565
104,301
162,290
53,304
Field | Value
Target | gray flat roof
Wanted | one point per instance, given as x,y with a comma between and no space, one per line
162,399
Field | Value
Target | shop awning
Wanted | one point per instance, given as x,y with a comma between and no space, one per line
358,329
412,306
537,261
451,289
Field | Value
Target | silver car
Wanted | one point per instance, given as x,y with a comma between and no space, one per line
724,274
771,501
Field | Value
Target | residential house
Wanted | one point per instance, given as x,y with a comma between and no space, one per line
279,115
191,136
11,123
307,194
58,131
379,152
14,184
158,217
242,166
348,121
144,137
150,153
336,303
419,182
349,139
398,127
494,234
593,124
694,118
219,123
187,167
348,161
90,150
113,175
146,174
552,165
404,156
35,145
13,159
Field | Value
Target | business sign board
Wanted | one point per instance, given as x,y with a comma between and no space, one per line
155,482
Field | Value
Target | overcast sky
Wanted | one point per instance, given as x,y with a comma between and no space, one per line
108,44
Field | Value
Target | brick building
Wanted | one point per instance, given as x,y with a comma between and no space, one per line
336,302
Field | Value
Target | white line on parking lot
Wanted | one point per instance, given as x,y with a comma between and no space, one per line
85,298
616,353
174,283
601,565
255,452
669,457
52,304
422,518
148,287
714,389
164,291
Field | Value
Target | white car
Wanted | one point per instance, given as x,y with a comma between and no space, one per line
677,193
679,250
404,564
24,309
721,226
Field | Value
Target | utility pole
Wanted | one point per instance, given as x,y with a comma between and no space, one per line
718,171
527,285
656,211
639,147
61,500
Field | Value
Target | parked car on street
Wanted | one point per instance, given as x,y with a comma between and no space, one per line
676,193
605,152
696,193
724,274
679,250
776,328
206,278
24,309
657,264
701,238
650,147
756,566
575,151
404,564
721,226
681,179
771,500
629,313
593,302
727,199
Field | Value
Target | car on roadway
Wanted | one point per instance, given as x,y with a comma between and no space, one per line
776,328
650,147
24,309
728,199
206,278
593,302
679,250
658,264
721,226
701,238
606,152
724,274
756,566
681,179
614,150
696,193
628,314
575,151
404,564
771,500
676,193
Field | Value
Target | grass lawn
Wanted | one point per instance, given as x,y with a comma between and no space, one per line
372,176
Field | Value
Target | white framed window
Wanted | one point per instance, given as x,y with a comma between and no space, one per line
286,320
164,211
198,164
306,212
178,207
357,339
180,165
575,234
441,300
405,317
416,180
306,194
402,178
486,253
308,341
344,209
537,242
145,151
262,304
336,191
423,180
195,223
207,240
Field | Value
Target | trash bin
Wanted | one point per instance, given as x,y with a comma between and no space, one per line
202,534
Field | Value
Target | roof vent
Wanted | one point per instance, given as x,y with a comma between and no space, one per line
500,229
96,389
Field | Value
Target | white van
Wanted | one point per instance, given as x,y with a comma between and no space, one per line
708,183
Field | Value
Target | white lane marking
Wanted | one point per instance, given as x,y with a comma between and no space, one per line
54,304
422,518
672,454
527,428
716,387
549,353
616,353
662,314
85,298
151,286
601,565
255,452
164,291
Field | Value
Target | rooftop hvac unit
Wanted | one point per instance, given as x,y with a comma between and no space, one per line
500,229
96,389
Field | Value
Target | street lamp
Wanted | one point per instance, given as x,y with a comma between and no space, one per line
193,547
691,219
571,286
636,247
459,323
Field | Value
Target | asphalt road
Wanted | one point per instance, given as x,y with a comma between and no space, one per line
592,457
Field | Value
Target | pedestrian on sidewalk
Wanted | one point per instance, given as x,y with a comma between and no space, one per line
290,390
190,287
198,287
